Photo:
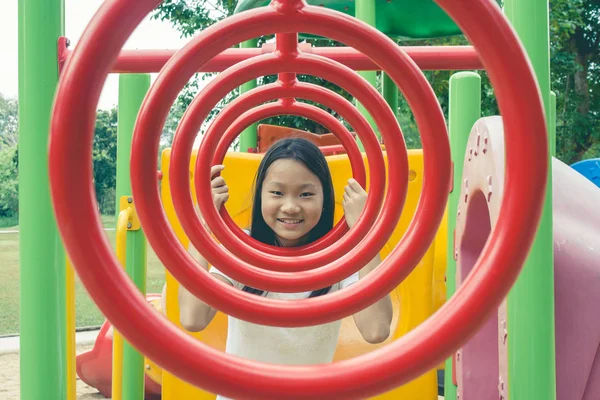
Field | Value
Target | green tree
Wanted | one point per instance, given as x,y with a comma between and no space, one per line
104,155
575,49
9,181
9,122
9,159
575,41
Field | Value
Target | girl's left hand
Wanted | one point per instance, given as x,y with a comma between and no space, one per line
354,201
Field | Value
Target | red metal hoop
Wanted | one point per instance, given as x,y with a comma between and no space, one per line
349,262
383,369
227,118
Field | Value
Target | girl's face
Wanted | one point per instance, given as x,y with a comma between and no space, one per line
292,201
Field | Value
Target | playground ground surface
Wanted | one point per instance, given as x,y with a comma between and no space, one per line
9,378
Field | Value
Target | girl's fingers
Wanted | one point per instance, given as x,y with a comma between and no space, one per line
215,169
216,182
220,199
355,186
221,189
348,191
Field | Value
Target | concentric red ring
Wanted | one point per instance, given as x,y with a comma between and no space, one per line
242,270
383,369
237,125
251,99
272,91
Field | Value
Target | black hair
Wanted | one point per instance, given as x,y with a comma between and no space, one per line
305,152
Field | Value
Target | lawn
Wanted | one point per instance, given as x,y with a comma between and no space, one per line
87,313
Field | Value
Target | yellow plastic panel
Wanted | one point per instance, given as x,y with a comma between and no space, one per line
412,300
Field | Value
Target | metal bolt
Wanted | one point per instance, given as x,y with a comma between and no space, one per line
129,225
130,200
148,366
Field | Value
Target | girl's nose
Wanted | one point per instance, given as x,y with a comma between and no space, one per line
290,207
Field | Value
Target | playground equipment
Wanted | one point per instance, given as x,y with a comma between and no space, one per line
415,353
482,364
590,169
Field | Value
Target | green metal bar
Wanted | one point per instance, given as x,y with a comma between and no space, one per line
133,361
365,11
42,302
531,353
390,93
249,136
132,89
464,111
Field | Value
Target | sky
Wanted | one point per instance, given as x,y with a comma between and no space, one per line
149,35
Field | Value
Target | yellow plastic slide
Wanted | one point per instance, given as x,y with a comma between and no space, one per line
414,300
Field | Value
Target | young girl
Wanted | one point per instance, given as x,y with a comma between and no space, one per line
293,206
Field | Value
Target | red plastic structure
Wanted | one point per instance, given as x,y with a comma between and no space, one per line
406,358
94,367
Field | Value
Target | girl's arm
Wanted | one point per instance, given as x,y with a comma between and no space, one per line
194,314
374,321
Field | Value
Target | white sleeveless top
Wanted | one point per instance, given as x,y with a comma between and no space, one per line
277,345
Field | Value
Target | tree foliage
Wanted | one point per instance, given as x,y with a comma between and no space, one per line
104,155
9,181
9,122
575,40
9,159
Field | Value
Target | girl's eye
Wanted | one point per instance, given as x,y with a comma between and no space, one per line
276,193
306,194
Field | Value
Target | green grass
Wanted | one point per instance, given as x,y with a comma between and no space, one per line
87,314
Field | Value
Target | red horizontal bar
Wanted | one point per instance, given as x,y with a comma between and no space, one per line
426,57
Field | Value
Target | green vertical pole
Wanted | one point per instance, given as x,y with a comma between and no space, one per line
531,354
464,111
249,136
390,93
42,268
132,89
133,361
365,11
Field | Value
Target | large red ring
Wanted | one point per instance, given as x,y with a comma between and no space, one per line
381,370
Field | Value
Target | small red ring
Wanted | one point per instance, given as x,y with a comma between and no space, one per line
346,138
300,90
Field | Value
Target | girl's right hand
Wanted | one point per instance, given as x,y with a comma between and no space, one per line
220,191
